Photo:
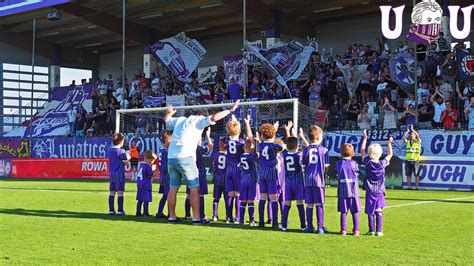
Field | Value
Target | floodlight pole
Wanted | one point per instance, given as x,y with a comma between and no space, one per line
416,79
123,43
32,77
244,51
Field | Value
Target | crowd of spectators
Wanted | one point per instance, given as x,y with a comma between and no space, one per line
443,101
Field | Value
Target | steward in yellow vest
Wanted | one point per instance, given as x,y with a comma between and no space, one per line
412,155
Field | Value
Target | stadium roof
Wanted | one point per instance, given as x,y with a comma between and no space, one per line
92,27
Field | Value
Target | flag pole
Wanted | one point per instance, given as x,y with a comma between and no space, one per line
244,50
416,80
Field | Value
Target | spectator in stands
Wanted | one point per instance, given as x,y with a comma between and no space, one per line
364,119
219,92
425,113
444,88
95,99
389,114
467,93
234,90
443,45
352,110
448,70
141,123
449,117
423,91
469,110
89,125
314,92
100,119
255,91
437,100
79,125
73,83
365,87
409,116
71,117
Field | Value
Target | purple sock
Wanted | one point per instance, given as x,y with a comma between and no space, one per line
187,208
281,204
237,207
139,206
251,212
371,223
284,216
120,203
302,216
201,207
378,220
275,212
343,221
261,211
309,217
242,211
230,206
215,207
145,207
161,205
355,220
111,203
270,211
320,216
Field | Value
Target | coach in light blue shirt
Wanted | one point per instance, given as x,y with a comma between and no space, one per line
187,132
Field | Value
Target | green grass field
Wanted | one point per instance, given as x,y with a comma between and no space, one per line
64,222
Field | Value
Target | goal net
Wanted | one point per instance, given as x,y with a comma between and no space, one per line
150,120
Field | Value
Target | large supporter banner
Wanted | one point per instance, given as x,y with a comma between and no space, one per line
52,120
10,7
402,69
286,61
434,143
234,68
352,77
14,148
66,148
465,63
453,173
180,54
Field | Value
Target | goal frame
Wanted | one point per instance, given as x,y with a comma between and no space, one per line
293,101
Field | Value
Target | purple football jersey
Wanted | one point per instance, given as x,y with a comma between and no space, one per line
375,180
219,168
293,169
347,171
200,151
268,154
235,148
248,169
145,176
164,175
117,157
315,158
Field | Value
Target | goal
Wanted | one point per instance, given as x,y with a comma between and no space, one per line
150,120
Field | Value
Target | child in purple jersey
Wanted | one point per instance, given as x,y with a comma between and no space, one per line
117,159
164,174
219,178
203,189
316,160
348,195
374,184
294,179
144,183
281,176
235,148
248,181
268,172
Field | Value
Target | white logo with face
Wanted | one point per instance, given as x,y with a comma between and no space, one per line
427,12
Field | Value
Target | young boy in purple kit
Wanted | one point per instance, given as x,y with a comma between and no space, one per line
374,184
235,148
164,174
203,189
316,160
144,183
219,178
294,179
348,188
117,159
248,181
269,172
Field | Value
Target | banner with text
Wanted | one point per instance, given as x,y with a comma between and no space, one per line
234,68
14,148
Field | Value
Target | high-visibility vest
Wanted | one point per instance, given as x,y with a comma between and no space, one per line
134,152
413,151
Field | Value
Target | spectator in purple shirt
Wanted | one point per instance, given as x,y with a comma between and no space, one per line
234,90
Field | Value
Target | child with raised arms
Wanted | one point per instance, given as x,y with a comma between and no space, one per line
294,179
164,174
348,195
144,183
374,184
248,181
219,178
316,160
117,159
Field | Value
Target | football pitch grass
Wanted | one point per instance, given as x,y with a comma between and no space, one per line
65,222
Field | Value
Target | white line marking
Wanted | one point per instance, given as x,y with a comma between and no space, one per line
423,202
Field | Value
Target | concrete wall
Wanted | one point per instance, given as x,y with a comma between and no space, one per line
110,63
14,55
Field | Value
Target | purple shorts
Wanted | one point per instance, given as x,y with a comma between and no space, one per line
373,202
144,195
294,191
248,191
219,190
345,205
314,195
117,186
164,189
269,186
232,181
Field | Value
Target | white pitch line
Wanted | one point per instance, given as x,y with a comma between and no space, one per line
424,202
